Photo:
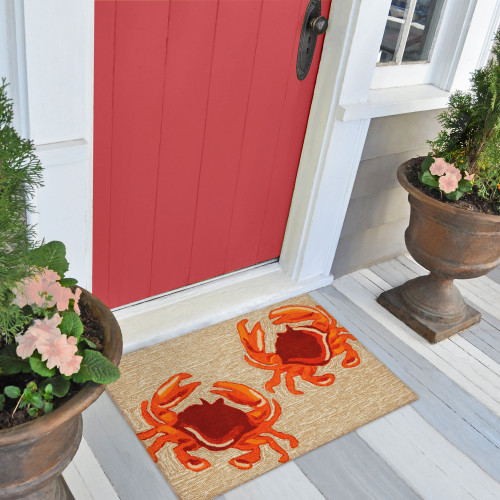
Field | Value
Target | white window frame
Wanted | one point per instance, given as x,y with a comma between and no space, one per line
452,31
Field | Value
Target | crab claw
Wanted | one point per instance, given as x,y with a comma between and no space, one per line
296,314
254,343
243,395
171,393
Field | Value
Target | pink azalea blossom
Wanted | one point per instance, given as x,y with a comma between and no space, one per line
469,177
439,166
448,183
45,291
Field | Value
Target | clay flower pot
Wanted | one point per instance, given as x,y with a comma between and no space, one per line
33,455
451,243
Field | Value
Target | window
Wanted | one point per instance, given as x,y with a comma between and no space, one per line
410,31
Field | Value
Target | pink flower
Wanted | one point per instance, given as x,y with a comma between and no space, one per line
26,344
37,335
45,291
453,171
72,365
76,297
55,347
58,351
469,177
448,183
439,166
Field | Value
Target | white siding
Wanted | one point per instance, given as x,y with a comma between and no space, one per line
378,210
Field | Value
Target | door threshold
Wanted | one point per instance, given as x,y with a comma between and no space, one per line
148,323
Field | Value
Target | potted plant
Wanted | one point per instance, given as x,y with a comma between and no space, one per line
58,343
454,194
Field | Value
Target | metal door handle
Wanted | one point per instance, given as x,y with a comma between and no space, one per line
314,24
319,25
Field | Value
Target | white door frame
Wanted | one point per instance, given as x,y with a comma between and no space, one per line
51,67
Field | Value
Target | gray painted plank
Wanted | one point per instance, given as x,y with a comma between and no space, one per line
122,457
381,335
466,423
495,275
349,469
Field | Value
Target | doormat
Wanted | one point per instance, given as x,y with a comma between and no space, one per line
220,406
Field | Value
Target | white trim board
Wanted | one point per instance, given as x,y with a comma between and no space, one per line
157,320
395,101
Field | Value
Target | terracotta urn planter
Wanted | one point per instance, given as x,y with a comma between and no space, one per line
33,455
451,243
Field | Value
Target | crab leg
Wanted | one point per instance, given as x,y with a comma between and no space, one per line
276,447
195,464
275,380
338,345
290,382
245,461
323,380
156,446
243,395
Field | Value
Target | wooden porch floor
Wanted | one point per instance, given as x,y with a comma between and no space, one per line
446,445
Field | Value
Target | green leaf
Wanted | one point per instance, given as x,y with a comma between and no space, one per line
32,386
12,392
89,343
465,186
33,412
36,401
426,164
2,401
455,195
429,179
11,363
51,255
48,390
48,408
71,325
40,367
60,386
97,368
68,282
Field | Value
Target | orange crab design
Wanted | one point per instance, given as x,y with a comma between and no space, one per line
300,349
213,426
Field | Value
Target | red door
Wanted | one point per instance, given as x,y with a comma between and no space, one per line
199,120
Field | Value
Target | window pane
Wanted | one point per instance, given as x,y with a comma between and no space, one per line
398,13
422,30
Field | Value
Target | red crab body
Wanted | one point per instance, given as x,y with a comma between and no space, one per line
301,349
214,426
305,346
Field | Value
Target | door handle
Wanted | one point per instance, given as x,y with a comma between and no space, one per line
314,24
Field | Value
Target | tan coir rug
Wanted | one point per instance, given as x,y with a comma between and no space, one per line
220,406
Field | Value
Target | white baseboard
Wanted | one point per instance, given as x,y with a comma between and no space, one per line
170,316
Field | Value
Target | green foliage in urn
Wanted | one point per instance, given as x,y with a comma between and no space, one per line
467,149
20,175
44,349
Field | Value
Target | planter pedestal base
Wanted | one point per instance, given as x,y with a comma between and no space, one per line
55,490
431,306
